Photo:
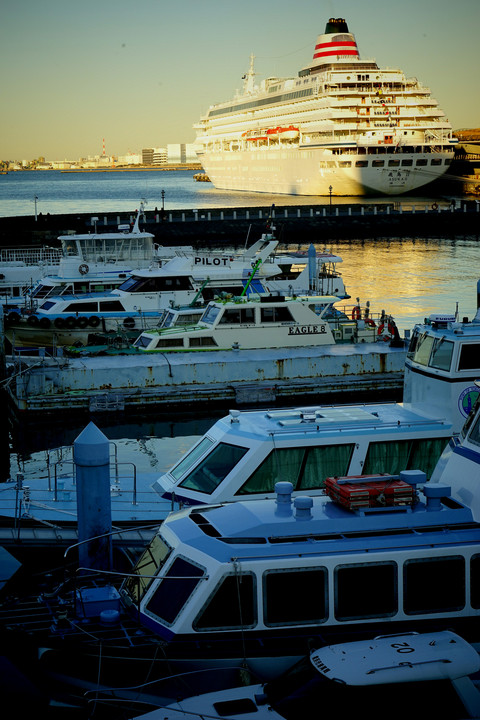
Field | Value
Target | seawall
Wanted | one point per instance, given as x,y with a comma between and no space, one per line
295,224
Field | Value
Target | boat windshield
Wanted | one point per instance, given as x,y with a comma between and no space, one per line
213,469
210,314
146,569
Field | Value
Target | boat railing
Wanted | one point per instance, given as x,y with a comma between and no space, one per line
64,467
31,256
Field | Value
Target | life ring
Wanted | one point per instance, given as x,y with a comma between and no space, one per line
59,323
94,321
356,313
70,322
434,206
13,317
387,332
32,320
129,323
44,323
82,322
369,321
83,269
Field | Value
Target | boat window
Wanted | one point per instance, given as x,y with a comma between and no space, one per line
395,456
47,305
236,316
407,163
305,468
202,342
475,581
413,344
310,585
169,343
174,590
143,341
82,307
111,306
421,161
441,357
436,161
190,458
275,314
423,349
433,585
361,163
469,357
211,292
147,566
232,604
210,314
208,475
393,163
366,590
378,163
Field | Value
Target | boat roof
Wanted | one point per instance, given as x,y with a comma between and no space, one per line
318,525
346,419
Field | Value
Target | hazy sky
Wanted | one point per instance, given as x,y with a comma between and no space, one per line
140,73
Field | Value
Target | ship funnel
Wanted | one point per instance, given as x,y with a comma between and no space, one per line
336,44
336,25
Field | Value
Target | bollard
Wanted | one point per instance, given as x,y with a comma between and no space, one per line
91,455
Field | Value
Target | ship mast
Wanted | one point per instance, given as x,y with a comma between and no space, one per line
249,77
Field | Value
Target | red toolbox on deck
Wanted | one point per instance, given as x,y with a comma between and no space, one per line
357,491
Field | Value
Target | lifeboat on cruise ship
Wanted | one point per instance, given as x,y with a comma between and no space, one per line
283,133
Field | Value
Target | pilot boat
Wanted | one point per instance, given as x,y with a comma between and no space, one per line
188,279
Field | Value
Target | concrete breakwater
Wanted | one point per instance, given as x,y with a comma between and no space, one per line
295,224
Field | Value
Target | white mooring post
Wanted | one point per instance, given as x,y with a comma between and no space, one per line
91,455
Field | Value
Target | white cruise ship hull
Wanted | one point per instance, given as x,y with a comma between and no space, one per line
343,126
294,171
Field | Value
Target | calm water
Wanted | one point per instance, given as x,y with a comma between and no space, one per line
409,278
66,192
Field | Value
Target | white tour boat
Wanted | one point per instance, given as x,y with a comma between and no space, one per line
270,321
187,279
344,126
244,453
90,262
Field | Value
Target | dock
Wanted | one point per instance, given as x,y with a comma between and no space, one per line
296,225
183,381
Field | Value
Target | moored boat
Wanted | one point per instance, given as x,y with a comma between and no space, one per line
413,669
188,279
90,262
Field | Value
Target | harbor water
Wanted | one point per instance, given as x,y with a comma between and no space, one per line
409,278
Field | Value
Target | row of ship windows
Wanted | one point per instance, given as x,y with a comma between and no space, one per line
362,591
307,467
421,162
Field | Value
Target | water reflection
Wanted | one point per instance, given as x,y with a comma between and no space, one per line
411,278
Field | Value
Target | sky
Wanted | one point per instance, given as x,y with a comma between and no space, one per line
140,73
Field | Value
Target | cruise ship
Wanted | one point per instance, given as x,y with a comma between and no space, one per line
344,126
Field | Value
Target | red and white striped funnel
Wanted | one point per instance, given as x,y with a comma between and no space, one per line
335,44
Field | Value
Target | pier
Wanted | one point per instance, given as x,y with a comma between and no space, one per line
296,225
